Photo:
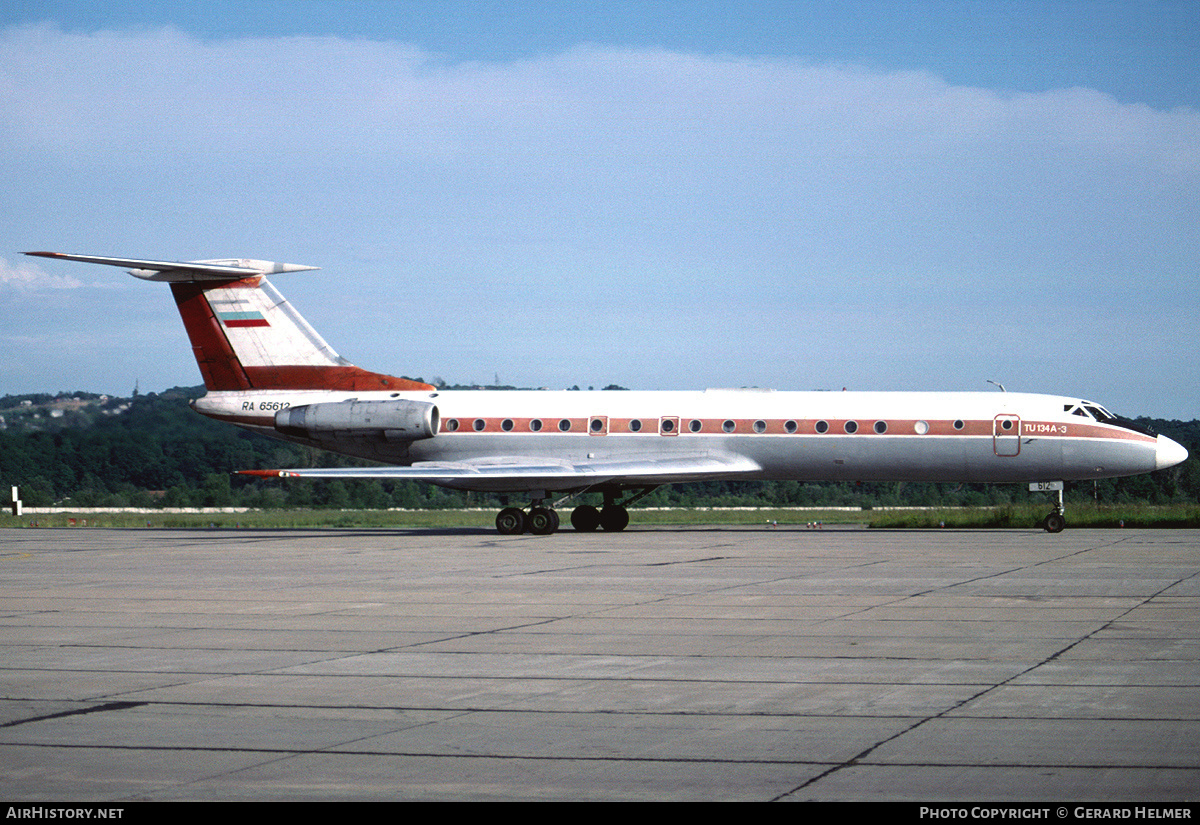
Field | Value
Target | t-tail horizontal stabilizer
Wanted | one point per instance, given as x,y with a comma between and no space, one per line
185,271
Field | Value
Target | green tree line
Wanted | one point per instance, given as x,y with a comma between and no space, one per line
153,450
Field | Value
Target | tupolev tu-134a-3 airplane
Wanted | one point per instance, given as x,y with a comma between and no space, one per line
266,369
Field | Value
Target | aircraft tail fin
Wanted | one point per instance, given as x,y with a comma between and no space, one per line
244,334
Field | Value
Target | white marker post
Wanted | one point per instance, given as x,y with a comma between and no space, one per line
16,504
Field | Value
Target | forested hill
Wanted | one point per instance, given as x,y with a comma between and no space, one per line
151,450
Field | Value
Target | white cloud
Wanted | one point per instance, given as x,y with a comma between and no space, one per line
26,276
166,92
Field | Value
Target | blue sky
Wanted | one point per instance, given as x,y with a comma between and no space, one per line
664,195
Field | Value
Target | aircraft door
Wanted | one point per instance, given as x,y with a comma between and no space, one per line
1006,434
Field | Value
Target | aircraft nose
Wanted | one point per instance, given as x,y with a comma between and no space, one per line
1168,453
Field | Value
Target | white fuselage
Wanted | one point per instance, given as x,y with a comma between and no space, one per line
846,436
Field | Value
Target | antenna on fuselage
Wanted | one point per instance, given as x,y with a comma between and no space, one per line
1001,386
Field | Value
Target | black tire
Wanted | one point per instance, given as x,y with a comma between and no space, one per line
585,518
614,518
1054,523
511,521
542,521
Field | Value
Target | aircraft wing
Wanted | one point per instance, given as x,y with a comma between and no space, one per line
514,474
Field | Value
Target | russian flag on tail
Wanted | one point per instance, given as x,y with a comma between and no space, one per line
243,319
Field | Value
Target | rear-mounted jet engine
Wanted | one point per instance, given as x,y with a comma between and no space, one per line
389,420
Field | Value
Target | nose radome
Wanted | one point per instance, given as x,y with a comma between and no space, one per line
1168,453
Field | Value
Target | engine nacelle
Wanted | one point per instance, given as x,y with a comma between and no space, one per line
389,420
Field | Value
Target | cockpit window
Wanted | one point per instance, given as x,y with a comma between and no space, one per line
1090,409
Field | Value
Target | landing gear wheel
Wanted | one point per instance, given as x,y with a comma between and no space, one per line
542,521
585,518
614,518
1054,523
510,521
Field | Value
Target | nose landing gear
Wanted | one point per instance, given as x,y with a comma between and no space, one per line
1054,523
1057,520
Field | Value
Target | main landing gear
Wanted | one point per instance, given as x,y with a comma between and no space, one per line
542,520
613,518
513,521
